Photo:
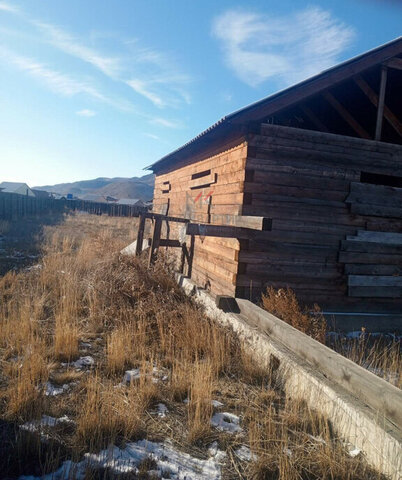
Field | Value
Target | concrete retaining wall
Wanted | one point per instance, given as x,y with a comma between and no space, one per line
364,409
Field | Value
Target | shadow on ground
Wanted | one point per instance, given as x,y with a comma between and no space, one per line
20,241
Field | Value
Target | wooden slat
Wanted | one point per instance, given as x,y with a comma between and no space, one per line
343,112
374,281
373,97
204,181
381,98
394,63
168,242
207,230
379,237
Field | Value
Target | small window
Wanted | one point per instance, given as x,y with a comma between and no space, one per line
379,179
194,176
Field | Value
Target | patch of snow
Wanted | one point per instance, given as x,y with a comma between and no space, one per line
45,421
317,439
227,422
162,410
84,362
244,454
135,374
352,450
217,403
51,390
131,375
287,451
85,345
170,463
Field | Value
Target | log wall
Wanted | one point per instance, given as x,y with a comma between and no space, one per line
206,192
310,184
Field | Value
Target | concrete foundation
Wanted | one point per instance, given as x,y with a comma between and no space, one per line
326,380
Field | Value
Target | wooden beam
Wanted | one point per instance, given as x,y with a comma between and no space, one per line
168,242
380,108
373,97
156,235
243,221
207,230
394,63
346,115
204,181
140,235
313,118
167,218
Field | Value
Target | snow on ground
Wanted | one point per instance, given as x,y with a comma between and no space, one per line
135,374
244,454
45,421
84,362
162,410
52,391
217,404
170,463
227,422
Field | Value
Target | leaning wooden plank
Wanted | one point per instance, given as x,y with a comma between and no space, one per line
374,281
156,235
369,258
154,215
207,230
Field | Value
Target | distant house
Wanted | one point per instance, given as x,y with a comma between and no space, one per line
16,187
41,193
92,197
130,201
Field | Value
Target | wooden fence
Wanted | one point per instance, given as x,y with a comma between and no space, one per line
13,206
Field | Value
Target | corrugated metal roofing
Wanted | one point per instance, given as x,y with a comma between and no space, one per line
378,54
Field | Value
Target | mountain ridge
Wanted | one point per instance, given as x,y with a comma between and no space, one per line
118,187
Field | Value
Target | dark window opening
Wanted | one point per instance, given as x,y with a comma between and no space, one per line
194,176
378,179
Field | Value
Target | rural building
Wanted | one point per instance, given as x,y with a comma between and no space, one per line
130,201
322,162
16,187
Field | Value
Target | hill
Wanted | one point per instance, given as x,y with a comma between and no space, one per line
119,187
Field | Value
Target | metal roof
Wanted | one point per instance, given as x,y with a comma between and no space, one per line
285,98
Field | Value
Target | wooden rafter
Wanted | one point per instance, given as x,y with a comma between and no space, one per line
343,112
381,99
394,63
373,97
313,118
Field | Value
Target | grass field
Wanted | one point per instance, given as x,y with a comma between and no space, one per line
109,371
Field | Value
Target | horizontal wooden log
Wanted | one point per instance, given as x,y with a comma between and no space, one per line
376,210
371,247
372,292
374,281
369,258
375,269
167,242
207,230
204,181
243,221
379,237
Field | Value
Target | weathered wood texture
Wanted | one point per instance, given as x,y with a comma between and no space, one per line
331,237
211,190
309,183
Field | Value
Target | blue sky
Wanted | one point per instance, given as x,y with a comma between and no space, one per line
106,87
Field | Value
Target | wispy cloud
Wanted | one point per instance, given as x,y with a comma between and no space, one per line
289,48
6,7
163,122
150,73
151,135
59,38
86,113
59,82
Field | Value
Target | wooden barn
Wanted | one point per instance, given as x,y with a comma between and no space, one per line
311,177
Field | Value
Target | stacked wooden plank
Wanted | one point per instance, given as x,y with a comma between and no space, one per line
302,180
373,263
207,191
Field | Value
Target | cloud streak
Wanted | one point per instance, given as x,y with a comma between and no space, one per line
291,48
86,113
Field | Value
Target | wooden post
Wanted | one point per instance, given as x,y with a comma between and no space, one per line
156,235
140,235
381,98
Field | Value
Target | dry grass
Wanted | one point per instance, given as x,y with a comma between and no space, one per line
380,355
133,318
284,304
